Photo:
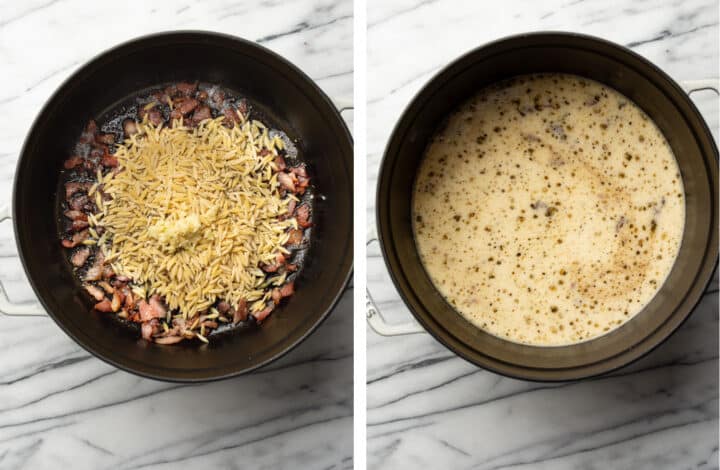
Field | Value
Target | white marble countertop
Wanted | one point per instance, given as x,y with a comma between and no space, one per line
61,407
429,409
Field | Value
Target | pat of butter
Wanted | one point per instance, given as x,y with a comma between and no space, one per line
175,233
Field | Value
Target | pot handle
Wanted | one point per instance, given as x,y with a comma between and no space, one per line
691,86
374,317
343,104
6,306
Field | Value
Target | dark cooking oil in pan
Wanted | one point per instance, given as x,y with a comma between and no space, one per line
110,121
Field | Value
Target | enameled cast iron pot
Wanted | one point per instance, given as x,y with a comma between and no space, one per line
648,86
291,102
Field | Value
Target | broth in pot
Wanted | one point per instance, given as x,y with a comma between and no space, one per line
548,209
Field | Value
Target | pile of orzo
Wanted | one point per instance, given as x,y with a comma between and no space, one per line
187,222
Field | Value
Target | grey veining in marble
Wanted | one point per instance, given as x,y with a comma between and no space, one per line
429,409
62,408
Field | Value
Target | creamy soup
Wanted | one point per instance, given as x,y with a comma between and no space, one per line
548,209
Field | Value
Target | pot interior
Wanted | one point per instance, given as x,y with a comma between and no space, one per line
289,100
635,78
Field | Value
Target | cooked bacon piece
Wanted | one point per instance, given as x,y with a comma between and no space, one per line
263,314
95,292
296,236
117,300
168,339
231,117
73,187
94,272
295,181
72,162
129,127
91,164
79,225
271,268
186,105
280,293
287,289
80,256
291,206
106,139
276,296
129,298
157,305
303,215
146,312
202,95
302,184
223,307
286,181
300,171
301,177
291,267
109,161
291,209
175,330
154,116
241,312
153,309
187,89
106,287
77,239
79,203
178,323
150,328
98,151
108,272
171,91
217,96
75,215
104,306
242,107
202,113
280,163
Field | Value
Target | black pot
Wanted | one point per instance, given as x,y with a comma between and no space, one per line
290,100
648,86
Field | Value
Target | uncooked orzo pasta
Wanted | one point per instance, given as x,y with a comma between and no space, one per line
189,222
